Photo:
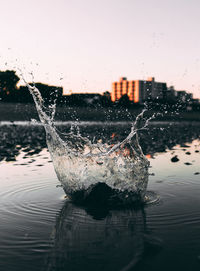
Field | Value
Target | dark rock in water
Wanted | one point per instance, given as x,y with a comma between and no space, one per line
33,152
187,163
196,151
175,159
27,149
98,194
101,195
1,158
188,153
10,158
184,146
196,173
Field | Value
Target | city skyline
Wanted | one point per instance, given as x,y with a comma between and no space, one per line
85,45
124,93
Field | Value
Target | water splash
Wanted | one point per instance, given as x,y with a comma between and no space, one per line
81,165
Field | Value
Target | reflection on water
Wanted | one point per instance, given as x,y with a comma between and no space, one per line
98,239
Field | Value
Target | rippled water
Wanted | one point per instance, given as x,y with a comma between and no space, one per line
41,229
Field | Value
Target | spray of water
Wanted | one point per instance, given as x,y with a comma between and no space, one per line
81,164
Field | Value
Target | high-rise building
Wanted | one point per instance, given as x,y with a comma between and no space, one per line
138,91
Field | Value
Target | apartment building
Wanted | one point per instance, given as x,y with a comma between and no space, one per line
138,91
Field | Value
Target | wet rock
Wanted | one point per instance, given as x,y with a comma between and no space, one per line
174,159
184,146
187,164
27,149
1,158
10,158
32,139
98,194
196,173
32,160
188,153
101,195
14,138
33,152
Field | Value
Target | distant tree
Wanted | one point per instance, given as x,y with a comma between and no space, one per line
24,95
124,101
8,85
106,99
49,93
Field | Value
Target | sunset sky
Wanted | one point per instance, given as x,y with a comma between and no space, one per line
84,45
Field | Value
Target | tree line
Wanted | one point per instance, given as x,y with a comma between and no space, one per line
11,92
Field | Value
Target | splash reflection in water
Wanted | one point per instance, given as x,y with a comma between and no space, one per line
97,239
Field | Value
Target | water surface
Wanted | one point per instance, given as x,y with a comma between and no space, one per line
41,229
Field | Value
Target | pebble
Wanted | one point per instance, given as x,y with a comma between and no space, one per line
174,159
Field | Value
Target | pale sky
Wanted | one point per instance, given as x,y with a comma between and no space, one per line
90,43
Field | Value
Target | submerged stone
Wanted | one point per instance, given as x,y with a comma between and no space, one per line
175,159
101,195
10,159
